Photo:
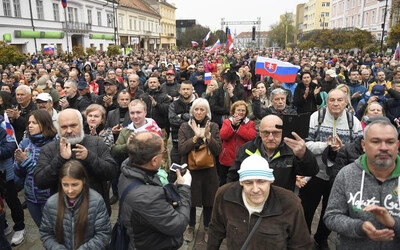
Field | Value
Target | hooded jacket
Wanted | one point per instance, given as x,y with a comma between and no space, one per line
355,188
151,221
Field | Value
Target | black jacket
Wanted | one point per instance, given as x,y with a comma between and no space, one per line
308,105
171,89
84,101
178,113
21,123
346,155
217,104
99,165
151,221
114,104
159,112
260,112
285,165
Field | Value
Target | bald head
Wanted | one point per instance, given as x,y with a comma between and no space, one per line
143,148
271,119
270,134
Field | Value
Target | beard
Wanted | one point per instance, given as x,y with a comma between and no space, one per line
74,139
383,163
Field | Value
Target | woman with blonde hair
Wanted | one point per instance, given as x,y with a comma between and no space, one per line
346,90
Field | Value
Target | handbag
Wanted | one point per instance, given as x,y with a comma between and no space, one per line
200,158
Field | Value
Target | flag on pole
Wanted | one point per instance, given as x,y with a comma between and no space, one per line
64,3
195,44
396,55
207,78
9,128
216,46
207,36
229,41
279,70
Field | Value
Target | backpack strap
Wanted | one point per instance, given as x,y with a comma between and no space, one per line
350,122
129,188
321,117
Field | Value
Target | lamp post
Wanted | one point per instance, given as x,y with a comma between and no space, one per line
322,19
384,23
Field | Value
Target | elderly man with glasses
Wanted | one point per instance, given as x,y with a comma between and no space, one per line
287,157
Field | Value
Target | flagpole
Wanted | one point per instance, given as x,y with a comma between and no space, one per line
66,31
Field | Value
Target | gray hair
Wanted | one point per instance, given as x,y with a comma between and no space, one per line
25,88
383,121
73,83
201,102
277,91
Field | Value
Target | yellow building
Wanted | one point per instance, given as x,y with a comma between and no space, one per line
167,22
299,21
316,15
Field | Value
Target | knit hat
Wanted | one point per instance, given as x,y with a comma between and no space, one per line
255,167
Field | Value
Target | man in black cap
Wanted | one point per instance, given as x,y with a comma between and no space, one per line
85,98
142,76
109,99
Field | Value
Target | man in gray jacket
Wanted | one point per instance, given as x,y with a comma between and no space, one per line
152,219
364,206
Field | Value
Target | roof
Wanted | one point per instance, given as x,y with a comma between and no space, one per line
249,34
138,5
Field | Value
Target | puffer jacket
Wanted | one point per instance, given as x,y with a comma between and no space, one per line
284,163
98,231
355,188
233,138
25,169
7,148
151,221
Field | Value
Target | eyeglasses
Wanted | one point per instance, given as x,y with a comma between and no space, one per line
163,153
266,133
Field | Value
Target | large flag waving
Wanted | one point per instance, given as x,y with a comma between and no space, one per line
207,36
216,46
281,71
229,41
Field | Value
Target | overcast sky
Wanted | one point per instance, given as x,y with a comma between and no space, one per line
209,12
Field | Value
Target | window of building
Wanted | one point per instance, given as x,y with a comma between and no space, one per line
352,21
89,16
347,4
17,8
56,12
130,23
7,7
39,9
121,22
354,3
110,20
366,18
373,17
76,15
134,24
382,15
70,14
347,21
359,20
99,18
359,2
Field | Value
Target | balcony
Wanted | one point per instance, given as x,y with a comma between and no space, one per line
76,27
171,34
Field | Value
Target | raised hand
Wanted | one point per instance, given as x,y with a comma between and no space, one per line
297,145
81,152
65,149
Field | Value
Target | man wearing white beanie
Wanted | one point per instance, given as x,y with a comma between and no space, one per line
254,214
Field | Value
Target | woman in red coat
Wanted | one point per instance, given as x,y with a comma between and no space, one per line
235,131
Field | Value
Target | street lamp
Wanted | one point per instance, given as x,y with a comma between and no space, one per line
384,23
322,19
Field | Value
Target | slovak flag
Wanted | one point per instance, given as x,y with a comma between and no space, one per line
229,41
9,128
207,78
207,36
195,44
216,46
64,3
281,71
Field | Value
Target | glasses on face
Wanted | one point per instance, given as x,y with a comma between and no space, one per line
266,133
163,153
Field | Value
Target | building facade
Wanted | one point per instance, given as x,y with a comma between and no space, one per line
316,15
167,22
245,40
181,26
84,23
299,22
363,14
138,25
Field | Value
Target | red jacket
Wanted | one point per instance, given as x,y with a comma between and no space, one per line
232,140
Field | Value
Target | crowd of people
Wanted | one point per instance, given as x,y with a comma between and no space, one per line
148,128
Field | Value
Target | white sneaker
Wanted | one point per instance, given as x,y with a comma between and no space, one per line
7,230
18,237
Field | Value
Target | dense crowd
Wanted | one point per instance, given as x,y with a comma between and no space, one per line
93,125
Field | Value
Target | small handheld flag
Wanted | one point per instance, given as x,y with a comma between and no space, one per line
207,78
9,128
216,46
207,36
195,44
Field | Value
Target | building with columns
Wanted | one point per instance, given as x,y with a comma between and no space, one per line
363,14
85,23
167,22
138,25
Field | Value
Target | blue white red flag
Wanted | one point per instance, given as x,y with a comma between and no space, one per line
195,44
216,46
281,71
64,3
207,36
49,50
396,55
207,78
229,41
9,128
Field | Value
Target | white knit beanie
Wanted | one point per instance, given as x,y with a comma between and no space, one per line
255,167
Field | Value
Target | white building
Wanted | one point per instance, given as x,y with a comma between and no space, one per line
138,25
362,14
89,23
244,40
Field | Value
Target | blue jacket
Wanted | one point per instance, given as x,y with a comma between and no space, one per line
356,88
7,148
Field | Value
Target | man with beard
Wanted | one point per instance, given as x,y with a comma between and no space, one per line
178,113
91,151
364,206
